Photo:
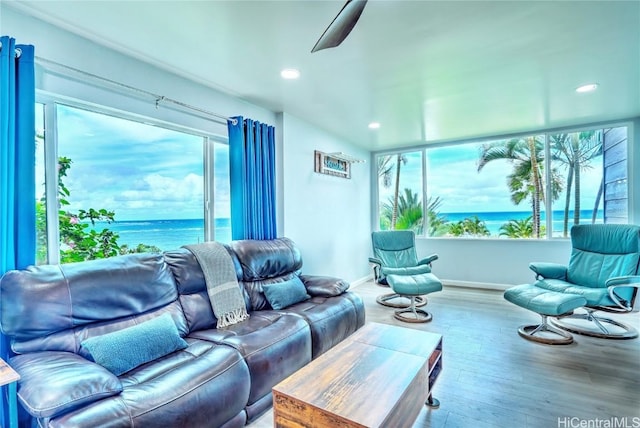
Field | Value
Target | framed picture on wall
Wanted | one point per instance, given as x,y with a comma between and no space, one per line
327,163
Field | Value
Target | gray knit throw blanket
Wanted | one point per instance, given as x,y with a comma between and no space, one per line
222,284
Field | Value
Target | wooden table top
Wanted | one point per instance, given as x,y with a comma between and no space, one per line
368,376
400,339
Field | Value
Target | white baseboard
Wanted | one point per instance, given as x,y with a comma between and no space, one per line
479,285
361,281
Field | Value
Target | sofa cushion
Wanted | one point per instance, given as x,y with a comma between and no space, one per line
273,344
283,294
123,350
52,383
331,319
204,385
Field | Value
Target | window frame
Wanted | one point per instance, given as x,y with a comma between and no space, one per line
547,155
50,143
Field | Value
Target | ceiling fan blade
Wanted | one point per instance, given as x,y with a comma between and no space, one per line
341,25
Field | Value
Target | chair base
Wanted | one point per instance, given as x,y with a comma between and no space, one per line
384,300
419,315
627,331
529,332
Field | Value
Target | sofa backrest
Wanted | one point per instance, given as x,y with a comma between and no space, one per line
603,251
265,262
192,288
256,262
56,307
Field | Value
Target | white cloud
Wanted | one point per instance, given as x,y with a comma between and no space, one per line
154,196
162,188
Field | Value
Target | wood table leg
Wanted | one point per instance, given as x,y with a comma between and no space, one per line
434,403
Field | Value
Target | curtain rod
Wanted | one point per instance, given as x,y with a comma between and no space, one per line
17,52
158,98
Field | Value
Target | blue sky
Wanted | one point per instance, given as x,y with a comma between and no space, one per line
139,171
452,175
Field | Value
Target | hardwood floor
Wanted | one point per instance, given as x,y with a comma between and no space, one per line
493,378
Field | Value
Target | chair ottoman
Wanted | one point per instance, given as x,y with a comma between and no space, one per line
413,286
545,303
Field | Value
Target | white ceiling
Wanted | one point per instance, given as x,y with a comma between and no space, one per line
426,70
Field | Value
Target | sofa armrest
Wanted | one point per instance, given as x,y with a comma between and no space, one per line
428,260
549,270
324,286
618,285
52,383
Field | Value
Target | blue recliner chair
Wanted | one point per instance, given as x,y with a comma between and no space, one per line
395,263
603,274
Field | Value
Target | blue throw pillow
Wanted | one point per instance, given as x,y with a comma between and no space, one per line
123,350
283,294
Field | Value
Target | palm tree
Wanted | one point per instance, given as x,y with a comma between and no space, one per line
408,211
456,229
518,228
437,223
526,180
574,151
401,159
385,170
472,226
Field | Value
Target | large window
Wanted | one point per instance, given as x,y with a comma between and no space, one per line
125,186
506,188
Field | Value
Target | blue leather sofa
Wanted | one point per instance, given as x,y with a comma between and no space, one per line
222,378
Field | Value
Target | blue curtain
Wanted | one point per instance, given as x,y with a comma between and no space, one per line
17,167
252,178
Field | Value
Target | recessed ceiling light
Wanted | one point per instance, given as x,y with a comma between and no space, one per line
290,73
374,125
587,88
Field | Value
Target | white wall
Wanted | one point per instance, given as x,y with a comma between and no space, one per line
490,263
328,217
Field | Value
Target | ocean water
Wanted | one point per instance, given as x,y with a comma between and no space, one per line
172,234
493,220
165,234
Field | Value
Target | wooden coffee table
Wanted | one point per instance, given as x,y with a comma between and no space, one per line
381,375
